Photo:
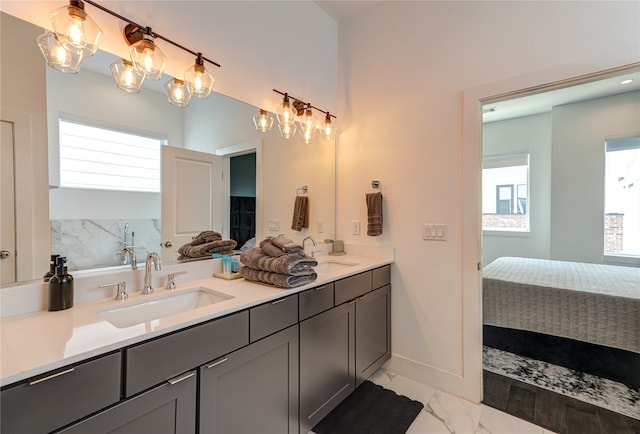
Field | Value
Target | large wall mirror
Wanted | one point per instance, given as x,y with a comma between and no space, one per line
261,173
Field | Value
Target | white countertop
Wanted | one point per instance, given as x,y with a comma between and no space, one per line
35,343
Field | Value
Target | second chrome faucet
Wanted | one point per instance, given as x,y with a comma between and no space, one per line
152,257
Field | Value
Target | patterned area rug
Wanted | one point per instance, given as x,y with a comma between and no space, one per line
371,409
585,387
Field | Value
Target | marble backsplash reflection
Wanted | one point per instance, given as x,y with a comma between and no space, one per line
97,243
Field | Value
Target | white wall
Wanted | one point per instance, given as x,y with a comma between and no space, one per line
532,135
406,69
577,200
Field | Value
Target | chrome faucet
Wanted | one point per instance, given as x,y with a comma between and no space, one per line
309,237
151,257
132,255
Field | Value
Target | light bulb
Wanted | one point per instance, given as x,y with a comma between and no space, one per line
327,129
177,92
61,55
263,121
76,33
285,112
199,81
287,130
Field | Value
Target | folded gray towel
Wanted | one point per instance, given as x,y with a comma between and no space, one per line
286,244
206,237
276,279
295,264
207,249
270,249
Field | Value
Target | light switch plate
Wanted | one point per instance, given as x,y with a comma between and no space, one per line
320,227
434,232
355,227
273,225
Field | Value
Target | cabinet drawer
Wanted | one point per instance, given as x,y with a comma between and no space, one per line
352,287
152,362
315,301
274,316
381,276
60,397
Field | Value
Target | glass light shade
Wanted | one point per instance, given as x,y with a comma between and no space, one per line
177,92
308,121
287,130
308,135
285,112
58,57
199,80
75,29
328,128
126,76
263,121
147,58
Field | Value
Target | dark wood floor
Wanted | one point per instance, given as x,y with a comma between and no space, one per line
556,412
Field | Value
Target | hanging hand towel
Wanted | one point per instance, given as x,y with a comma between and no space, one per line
300,213
374,214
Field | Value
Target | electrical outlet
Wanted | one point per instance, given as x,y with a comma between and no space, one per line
320,227
274,225
355,227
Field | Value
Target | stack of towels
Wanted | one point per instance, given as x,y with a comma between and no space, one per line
279,262
205,244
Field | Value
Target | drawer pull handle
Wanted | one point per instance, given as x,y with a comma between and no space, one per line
181,378
279,301
216,363
57,374
363,297
320,288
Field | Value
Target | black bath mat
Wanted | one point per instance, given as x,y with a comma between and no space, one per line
371,409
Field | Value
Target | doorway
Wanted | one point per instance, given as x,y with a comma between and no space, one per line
537,376
242,199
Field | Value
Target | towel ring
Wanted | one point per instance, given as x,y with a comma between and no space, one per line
304,189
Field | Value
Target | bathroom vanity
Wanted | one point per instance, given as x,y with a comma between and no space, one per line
263,360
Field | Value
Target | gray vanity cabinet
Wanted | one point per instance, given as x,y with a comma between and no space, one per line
58,398
373,332
327,363
169,408
254,389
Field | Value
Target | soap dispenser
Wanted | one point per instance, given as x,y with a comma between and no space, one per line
60,287
52,268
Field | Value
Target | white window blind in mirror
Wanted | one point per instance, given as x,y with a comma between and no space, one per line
92,157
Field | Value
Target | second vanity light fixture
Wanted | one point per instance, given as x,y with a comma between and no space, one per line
75,36
288,122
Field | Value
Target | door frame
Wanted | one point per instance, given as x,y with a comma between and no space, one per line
254,146
473,101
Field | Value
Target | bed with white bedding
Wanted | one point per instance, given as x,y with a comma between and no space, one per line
593,303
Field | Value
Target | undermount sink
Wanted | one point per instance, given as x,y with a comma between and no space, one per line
162,306
330,265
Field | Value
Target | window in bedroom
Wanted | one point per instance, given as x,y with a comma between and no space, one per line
108,159
622,197
505,193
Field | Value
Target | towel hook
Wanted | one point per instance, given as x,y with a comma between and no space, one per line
376,184
303,189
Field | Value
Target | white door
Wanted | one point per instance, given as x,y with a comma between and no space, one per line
191,197
7,202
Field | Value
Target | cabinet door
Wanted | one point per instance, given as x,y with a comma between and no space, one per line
254,389
167,409
327,363
373,332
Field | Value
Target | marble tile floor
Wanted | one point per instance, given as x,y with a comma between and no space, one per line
446,414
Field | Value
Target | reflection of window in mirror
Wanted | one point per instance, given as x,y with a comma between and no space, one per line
622,197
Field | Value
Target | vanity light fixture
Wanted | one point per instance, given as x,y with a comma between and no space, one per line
198,79
57,56
146,57
75,30
308,122
127,76
177,92
263,121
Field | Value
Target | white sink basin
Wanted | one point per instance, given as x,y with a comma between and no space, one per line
330,265
162,306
